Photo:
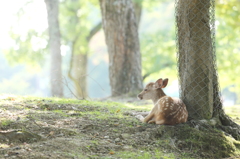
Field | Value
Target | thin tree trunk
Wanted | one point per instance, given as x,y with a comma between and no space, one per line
78,65
121,34
54,44
78,74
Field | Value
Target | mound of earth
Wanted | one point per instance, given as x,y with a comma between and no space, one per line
64,128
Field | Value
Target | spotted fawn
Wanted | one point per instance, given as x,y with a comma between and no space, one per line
167,110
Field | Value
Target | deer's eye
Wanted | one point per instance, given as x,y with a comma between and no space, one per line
145,89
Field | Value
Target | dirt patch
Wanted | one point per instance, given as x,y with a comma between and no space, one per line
41,128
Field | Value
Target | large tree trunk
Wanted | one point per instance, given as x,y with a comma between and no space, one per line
196,63
54,44
121,34
196,67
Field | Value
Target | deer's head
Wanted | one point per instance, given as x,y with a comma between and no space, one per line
153,90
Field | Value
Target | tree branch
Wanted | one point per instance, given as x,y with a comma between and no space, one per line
94,31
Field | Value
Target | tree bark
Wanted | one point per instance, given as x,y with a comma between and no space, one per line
121,34
196,63
196,67
54,44
138,11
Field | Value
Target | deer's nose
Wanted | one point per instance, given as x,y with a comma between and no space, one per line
139,96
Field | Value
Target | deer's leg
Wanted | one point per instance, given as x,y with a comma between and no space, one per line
148,117
151,121
160,122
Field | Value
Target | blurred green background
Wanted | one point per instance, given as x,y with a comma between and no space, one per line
24,58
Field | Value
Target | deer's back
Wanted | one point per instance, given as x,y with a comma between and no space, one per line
171,110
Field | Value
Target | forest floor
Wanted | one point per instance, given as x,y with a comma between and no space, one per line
54,128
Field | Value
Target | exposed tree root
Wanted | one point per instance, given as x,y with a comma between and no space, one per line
229,126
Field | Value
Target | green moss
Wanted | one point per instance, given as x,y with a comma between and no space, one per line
5,122
210,143
61,112
144,154
109,119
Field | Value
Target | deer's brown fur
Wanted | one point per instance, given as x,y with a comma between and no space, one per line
166,110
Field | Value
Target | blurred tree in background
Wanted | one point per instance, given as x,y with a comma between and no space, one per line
54,46
77,31
121,34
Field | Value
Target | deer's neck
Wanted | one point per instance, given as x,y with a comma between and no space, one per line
159,94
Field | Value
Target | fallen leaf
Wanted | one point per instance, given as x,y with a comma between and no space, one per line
111,153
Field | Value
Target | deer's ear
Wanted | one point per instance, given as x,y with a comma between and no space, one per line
165,82
158,83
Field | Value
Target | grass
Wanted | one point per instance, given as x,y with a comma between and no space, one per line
144,154
233,112
89,129
5,122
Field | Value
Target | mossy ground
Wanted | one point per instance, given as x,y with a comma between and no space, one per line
66,128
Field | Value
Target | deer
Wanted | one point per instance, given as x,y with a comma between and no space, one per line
167,110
